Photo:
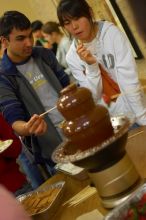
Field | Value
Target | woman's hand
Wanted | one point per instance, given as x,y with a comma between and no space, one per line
85,54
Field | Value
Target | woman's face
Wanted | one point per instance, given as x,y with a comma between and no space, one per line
52,38
80,28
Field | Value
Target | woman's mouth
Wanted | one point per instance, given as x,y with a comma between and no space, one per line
78,34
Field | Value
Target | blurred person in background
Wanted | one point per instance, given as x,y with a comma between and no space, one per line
53,34
38,36
47,36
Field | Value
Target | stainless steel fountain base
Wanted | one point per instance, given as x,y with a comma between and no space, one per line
110,203
117,182
109,167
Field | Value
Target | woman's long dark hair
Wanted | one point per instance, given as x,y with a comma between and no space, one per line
69,9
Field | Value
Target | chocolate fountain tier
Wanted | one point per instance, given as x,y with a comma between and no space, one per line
98,157
74,102
86,124
87,130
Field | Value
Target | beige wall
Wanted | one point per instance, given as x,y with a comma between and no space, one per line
6,5
33,9
43,9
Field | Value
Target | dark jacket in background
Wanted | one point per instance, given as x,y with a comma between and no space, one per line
10,176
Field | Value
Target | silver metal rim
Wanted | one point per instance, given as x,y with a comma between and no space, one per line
120,124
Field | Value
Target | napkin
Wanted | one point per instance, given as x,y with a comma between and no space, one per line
93,215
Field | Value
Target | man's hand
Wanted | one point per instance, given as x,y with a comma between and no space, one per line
36,125
85,54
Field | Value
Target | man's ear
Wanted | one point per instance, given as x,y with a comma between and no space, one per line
4,41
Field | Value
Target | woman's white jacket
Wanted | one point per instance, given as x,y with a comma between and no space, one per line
112,49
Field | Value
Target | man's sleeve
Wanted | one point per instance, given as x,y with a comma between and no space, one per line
10,105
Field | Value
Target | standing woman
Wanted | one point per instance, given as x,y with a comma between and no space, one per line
53,34
101,59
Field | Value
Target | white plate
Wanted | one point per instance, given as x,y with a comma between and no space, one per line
69,168
5,144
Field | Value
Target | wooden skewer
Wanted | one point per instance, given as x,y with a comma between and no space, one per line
81,196
112,97
128,92
49,110
77,42
133,135
77,195
88,194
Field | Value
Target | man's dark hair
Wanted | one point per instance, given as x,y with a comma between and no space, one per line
13,19
36,25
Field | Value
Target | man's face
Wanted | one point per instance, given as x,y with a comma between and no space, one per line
19,45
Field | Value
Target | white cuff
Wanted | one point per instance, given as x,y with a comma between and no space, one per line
92,70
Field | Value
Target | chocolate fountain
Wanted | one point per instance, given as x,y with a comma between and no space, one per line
96,142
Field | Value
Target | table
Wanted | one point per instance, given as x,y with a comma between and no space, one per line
136,149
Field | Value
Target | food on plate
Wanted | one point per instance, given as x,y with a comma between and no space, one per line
39,201
5,144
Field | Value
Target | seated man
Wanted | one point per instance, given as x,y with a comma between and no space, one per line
30,82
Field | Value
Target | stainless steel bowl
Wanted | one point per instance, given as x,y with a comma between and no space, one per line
103,155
